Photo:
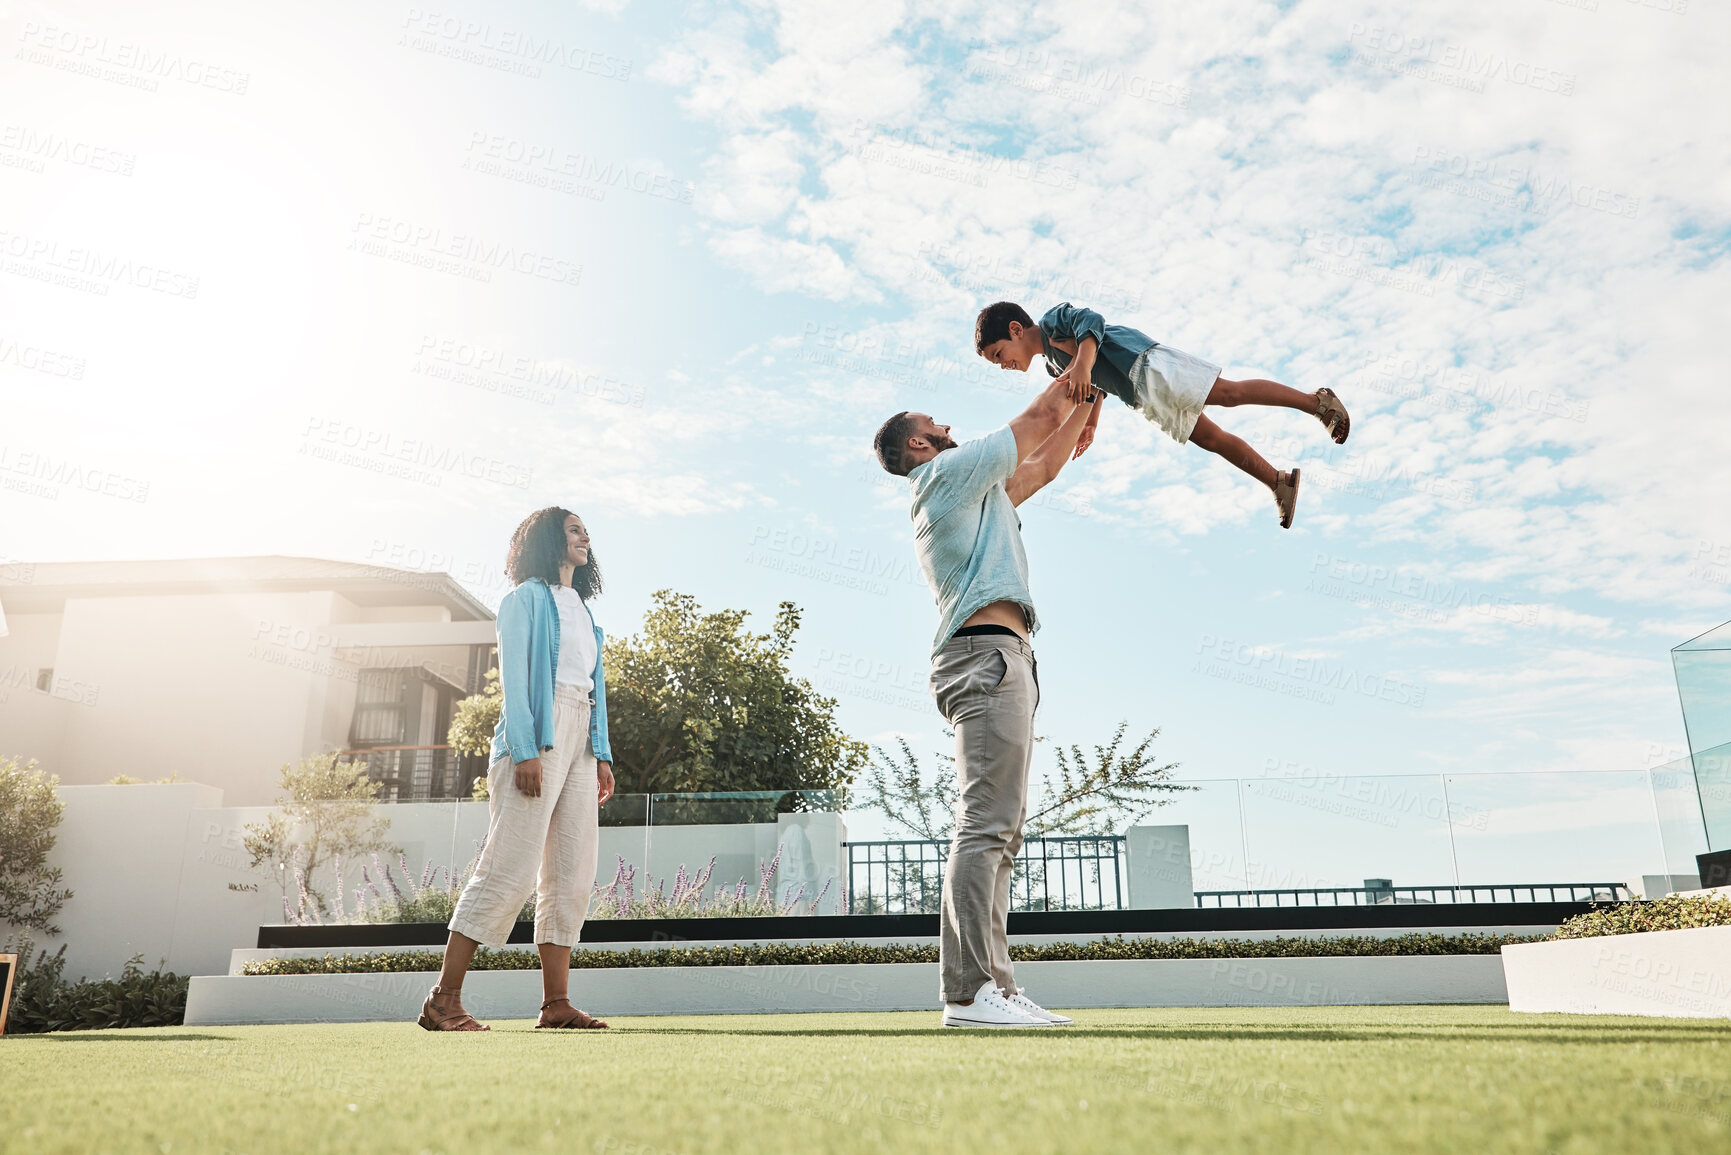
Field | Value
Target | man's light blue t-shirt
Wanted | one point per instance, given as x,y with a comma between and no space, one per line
966,532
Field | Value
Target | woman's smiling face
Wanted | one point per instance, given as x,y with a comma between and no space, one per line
576,542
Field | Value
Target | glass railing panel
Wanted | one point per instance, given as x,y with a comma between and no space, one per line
625,810
1704,685
735,806
1315,830
1556,827
1679,807
1217,851
719,854
1712,773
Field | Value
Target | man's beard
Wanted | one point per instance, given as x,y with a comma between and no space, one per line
941,441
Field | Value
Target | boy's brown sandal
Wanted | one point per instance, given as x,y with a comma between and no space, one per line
1286,496
434,1019
575,1021
1332,413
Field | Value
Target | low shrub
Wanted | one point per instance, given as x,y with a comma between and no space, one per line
42,1000
1675,912
807,954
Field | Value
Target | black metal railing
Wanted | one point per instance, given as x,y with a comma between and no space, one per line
418,773
906,876
1380,895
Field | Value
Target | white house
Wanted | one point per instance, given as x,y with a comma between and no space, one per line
221,670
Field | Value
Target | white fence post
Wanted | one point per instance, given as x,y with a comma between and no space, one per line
1159,867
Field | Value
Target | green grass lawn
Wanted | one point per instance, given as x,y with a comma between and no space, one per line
1446,1079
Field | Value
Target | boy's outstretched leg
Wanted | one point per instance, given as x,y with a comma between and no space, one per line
1235,449
1324,405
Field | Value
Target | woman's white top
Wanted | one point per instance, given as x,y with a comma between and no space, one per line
576,641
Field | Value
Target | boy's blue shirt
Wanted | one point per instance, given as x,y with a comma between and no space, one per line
528,656
1119,346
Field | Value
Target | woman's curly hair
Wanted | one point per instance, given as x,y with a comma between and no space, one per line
538,550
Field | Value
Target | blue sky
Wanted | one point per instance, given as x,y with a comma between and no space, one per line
671,265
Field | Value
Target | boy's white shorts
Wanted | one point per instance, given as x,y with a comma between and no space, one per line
1171,388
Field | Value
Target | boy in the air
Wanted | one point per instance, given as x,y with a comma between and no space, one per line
1166,386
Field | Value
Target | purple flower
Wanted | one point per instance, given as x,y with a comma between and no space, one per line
338,870
625,897
301,886
390,881
680,882
765,894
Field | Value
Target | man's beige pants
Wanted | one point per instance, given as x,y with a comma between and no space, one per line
987,687
546,845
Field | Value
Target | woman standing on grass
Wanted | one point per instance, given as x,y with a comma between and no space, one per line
551,769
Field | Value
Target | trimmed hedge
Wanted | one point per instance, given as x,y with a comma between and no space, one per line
808,954
1674,912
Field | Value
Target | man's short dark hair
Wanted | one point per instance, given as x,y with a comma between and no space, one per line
993,324
891,443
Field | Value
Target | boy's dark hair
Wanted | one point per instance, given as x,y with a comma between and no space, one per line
993,323
538,550
891,443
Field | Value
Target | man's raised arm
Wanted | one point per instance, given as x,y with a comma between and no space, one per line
1033,425
1042,466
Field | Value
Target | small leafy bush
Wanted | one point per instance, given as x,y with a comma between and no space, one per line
1674,912
44,1001
807,954
30,892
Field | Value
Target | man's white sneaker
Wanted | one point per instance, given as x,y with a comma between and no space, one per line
990,1009
1029,1007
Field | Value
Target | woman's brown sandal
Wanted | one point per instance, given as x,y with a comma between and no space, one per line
577,1021
1332,413
1286,496
434,1019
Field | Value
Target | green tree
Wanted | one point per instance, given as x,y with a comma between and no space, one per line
30,894
476,718
1106,791
328,812
1091,794
697,702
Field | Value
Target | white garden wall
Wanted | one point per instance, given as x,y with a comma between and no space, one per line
1258,982
1664,973
150,867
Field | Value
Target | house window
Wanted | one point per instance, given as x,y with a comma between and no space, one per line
384,699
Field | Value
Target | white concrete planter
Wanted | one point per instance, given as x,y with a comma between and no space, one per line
1683,974
240,956
230,999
